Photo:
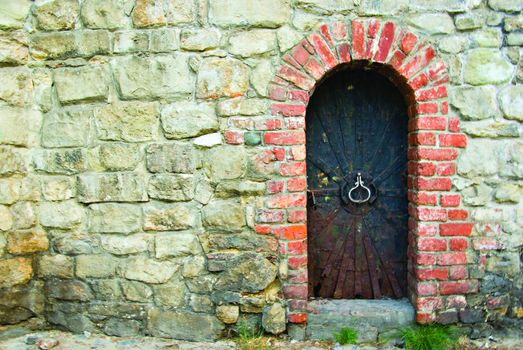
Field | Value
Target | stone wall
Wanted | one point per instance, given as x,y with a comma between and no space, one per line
145,187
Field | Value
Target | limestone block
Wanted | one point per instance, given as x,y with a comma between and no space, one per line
120,156
66,128
225,168
225,215
383,7
149,270
326,7
489,37
61,161
74,243
439,5
511,100
480,158
200,39
508,193
475,103
57,188
15,271
228,314
506,5
6,222
9,190
15,125
115,187
171,158
170,217
492,129
242,106
249,272
119,245
174,245
253,42
261,76
104,14
181,325
13,13
194,266
131,41
468,21
485,66
513,23
164,40
274,319
136,291
24,215
154,77
226,13
504,263
188,119
17,86
168,187
172,294
70,290
288,38
63,215
432,23
13,48
95,266
92,79
154,13
60,266
201,303
122,328
56,14
53,46
93,42
454,43
12,160
114,218
27,242
233,188
127,121
209,140
219,77
515,39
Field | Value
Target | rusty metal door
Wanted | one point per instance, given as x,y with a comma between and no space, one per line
357,183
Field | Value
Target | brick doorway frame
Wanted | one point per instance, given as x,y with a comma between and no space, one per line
439,232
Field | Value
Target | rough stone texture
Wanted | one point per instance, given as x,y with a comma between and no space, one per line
432,23
170,217
171,157
27,242
149,270
60,266
273,318
13,48
60,215
104,14
226,215
186,119
13,13
475,103
92,79
251,43
486,66
66,128
117,187
15,271
176,245
218,77
228,314
249,272
56,15
114,218
200,40
225,13
511,100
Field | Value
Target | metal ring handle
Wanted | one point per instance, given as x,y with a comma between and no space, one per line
359,183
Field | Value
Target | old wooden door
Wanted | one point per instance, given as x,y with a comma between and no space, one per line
357,203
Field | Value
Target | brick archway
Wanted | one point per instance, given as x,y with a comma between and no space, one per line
438,227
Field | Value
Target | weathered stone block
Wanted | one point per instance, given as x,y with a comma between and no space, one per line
172,294
274,319
93,42
511,100
253,42
120,156
57,188
173,188
23,214
13,48
119,245
122,328
64,215
508,193
187,119
490,129
117,187
92,79
170,217
95,266
383,7
176,245
6,222
194,266
225,168
104,14
489,37
106,289
17,305
200,39
74,243
12,160
13,13
130,41
209,140
480,158
233,188
506,5
225,13
68,290
27,242
171,158
56,14
432,23
262,75
114,218
154,77
486,66
218,77
61,161
504,263
475,103
469,21
224,215
454,44
66,128
249,272
17,86
149,270
52,46
164,40
15,125
180,325
154,13
137,291
326,7
15,271
9,190
228,314
60,266
242,106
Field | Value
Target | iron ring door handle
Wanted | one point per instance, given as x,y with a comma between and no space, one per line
359,183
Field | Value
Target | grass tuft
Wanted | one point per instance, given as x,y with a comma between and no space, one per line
251,338
428,337
346,336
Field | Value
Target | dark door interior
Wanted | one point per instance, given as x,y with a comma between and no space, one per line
357,181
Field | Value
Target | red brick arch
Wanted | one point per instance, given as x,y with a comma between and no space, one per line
438,228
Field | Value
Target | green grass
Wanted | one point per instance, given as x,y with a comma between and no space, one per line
346,336
251,338
429,337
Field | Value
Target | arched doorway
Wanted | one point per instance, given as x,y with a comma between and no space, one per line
356,139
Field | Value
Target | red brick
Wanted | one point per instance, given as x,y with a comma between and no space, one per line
422,229
290,60
298,152
288,110
292,232
450,200
339,30
455,229
429,214
285,137
458,244
263,229
372,32
426,289
434,93
270,216
385,43
425,317
397,59
452,258
444,108
297,305
458,287
454,124
299,95
314,68
453,140
295,123
295,216
456,301
234,137
485,243
296,291
297,318
418,82
293,169
279,153
429,304
297,184
327,57
296,262
446,169
422,138
300,54
459,272
277,92
297,276
307,46
427,108
425,274
428,123
421,168
432,244
358,40
344,52
425,259
423,198
296,77
437,70
442,81
432,154
267,124
324,29
432,184
418,62
408,41
275,186
286,200
458,214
